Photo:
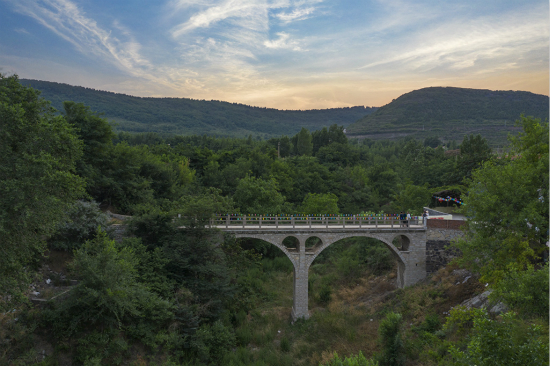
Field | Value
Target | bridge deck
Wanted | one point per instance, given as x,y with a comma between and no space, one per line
347,227
313,223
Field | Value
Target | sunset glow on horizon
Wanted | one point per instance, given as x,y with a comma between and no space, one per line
285,54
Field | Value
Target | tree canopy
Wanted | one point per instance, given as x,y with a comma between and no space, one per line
38,181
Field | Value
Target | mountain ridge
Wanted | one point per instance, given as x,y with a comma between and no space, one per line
190,116
450,113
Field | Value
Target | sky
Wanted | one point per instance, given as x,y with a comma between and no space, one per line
285,54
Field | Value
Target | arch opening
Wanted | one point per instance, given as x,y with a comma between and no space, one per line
364,264
313,243
273,277
291,243
401,242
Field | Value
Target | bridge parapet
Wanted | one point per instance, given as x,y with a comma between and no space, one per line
314,222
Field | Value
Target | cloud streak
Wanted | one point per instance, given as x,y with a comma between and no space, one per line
288,53
467,45
67,21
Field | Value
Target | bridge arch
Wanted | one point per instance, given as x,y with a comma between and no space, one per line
327,242
278,242
411,261
388,242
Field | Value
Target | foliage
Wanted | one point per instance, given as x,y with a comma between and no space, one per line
83,220
390,338
212,342
501,342
108,294
320,204
525,291
165,116
357,360
411,198
474,150
197,263
254,195
452,113
302,142
507,208
37,179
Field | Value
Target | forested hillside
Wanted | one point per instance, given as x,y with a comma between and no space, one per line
450,114
175,292
187,116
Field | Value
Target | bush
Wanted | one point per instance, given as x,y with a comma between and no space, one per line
285,344
108,295
84,219
390,338
212,342
506,342
277,264
525,291
358,360
325,294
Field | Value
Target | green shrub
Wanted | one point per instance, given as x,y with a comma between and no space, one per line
285,344
108,295
243,335
525,291
212,342
349,266
358,360
390,339
277,264
505,342
84,219
325,294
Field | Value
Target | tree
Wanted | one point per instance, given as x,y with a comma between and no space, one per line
412,198
498,342
432,142
259,196
38,151
83,220
507,207
320,204
474,150
303,143
336,134
198,264
393,350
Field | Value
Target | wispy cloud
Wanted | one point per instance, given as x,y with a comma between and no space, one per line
237,9
283,42
21,30
481,43
69,22
296,14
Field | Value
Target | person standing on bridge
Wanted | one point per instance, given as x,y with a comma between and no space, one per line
407,222
402,217
425,215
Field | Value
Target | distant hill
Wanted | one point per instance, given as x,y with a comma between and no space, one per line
187,116
450,113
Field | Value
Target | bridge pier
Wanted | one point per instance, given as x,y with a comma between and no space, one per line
301,276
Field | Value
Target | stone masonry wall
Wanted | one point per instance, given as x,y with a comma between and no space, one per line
439,235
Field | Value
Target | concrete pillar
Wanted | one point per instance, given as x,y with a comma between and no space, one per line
301,269
414,268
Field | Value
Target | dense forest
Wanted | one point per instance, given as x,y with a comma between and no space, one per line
452,113
174,292
187,116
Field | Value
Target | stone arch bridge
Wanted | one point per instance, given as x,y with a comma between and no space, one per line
410,254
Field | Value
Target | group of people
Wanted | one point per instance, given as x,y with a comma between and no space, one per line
404,219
